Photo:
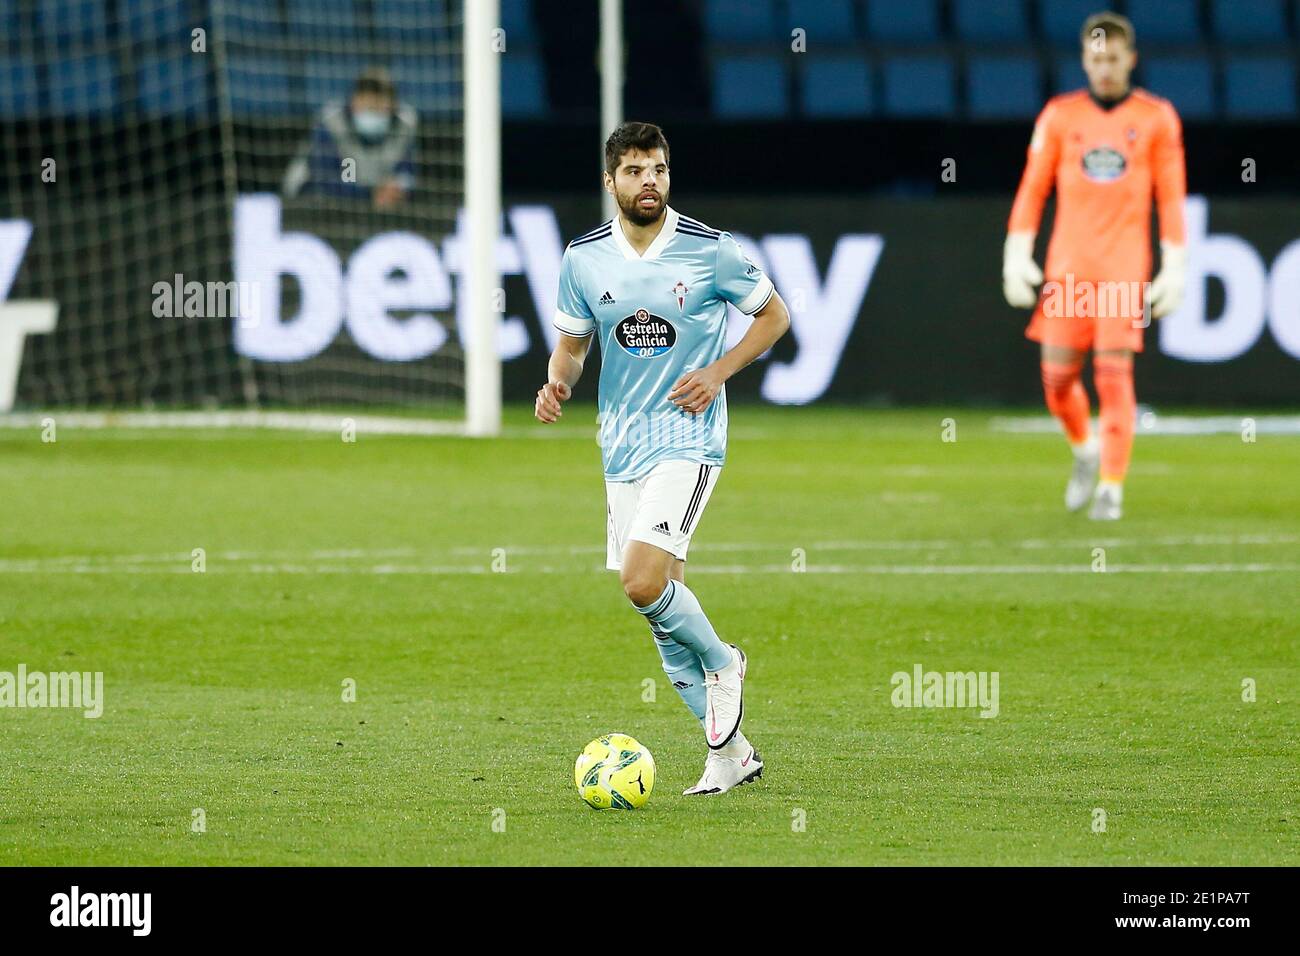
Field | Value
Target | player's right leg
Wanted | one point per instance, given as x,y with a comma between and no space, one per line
1067,400
1112,369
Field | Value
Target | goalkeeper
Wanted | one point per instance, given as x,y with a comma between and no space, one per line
1105,149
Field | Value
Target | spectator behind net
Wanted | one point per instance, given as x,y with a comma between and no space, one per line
374,130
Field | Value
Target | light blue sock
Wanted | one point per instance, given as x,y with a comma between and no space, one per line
684,670
678,614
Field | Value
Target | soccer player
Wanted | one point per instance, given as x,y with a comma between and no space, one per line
654,286
1105,149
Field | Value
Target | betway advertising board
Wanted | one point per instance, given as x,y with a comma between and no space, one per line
890,300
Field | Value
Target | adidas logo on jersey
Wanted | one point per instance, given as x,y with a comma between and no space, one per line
662,527
606,299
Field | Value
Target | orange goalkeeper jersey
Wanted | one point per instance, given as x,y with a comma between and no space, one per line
1105,164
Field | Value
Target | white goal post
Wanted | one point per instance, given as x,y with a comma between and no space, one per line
252,211
483,215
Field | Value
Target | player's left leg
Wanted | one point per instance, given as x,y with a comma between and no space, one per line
1112,371
730,766
652,565
681,664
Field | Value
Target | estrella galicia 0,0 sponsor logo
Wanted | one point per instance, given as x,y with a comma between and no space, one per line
645,335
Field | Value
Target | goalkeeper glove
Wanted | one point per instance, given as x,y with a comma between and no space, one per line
1019,271
1166,292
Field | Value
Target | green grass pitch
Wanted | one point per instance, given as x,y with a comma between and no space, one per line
375,562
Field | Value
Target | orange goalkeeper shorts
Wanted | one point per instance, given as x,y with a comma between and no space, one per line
1101,317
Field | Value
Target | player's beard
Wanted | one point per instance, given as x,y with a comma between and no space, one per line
630,207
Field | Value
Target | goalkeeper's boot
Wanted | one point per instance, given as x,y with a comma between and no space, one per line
1108,503
722,773
724,700
1083,477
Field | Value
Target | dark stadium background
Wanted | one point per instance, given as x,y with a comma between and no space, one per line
757,148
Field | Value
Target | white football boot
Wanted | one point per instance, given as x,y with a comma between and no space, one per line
1108,504
724,700
1083,477
722,773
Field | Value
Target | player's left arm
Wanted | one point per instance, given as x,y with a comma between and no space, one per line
695,391
1169,171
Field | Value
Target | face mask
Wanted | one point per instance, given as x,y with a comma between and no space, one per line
370,124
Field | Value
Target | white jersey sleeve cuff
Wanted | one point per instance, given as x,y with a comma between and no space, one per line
758,297
572,324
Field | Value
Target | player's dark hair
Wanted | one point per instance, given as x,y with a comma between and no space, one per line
376,80
638,136
1112,25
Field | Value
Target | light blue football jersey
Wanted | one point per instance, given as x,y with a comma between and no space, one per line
658,317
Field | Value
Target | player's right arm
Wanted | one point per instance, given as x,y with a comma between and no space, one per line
1020,274
577,325
562,373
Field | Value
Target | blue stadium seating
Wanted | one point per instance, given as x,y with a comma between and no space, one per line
251,24
835,87
1003,87
1061,20
413,24
80,85
1187,82
989,21
432,88
8,22
741,21
1165,21
70,24
518,22
262,86
174,84
751,87
919,86
1249,21
523,85
19,88
159,22
1067,72
912,21
330,78
1260,88
317,20
825,21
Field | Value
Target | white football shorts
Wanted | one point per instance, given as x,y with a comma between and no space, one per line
662,508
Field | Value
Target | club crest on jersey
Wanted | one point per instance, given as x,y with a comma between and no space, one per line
645,335
680,290
1103,164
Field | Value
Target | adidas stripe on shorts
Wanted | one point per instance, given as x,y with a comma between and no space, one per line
662,508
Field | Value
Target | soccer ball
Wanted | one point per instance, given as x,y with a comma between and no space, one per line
614,771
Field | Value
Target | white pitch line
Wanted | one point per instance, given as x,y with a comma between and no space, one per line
1158,424
183,559
976,569
844,569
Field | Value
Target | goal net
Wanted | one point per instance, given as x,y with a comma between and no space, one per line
235,204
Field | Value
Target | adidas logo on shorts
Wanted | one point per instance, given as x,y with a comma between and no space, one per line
662,528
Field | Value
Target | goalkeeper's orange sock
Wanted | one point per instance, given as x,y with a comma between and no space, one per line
1114,378
1067,400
